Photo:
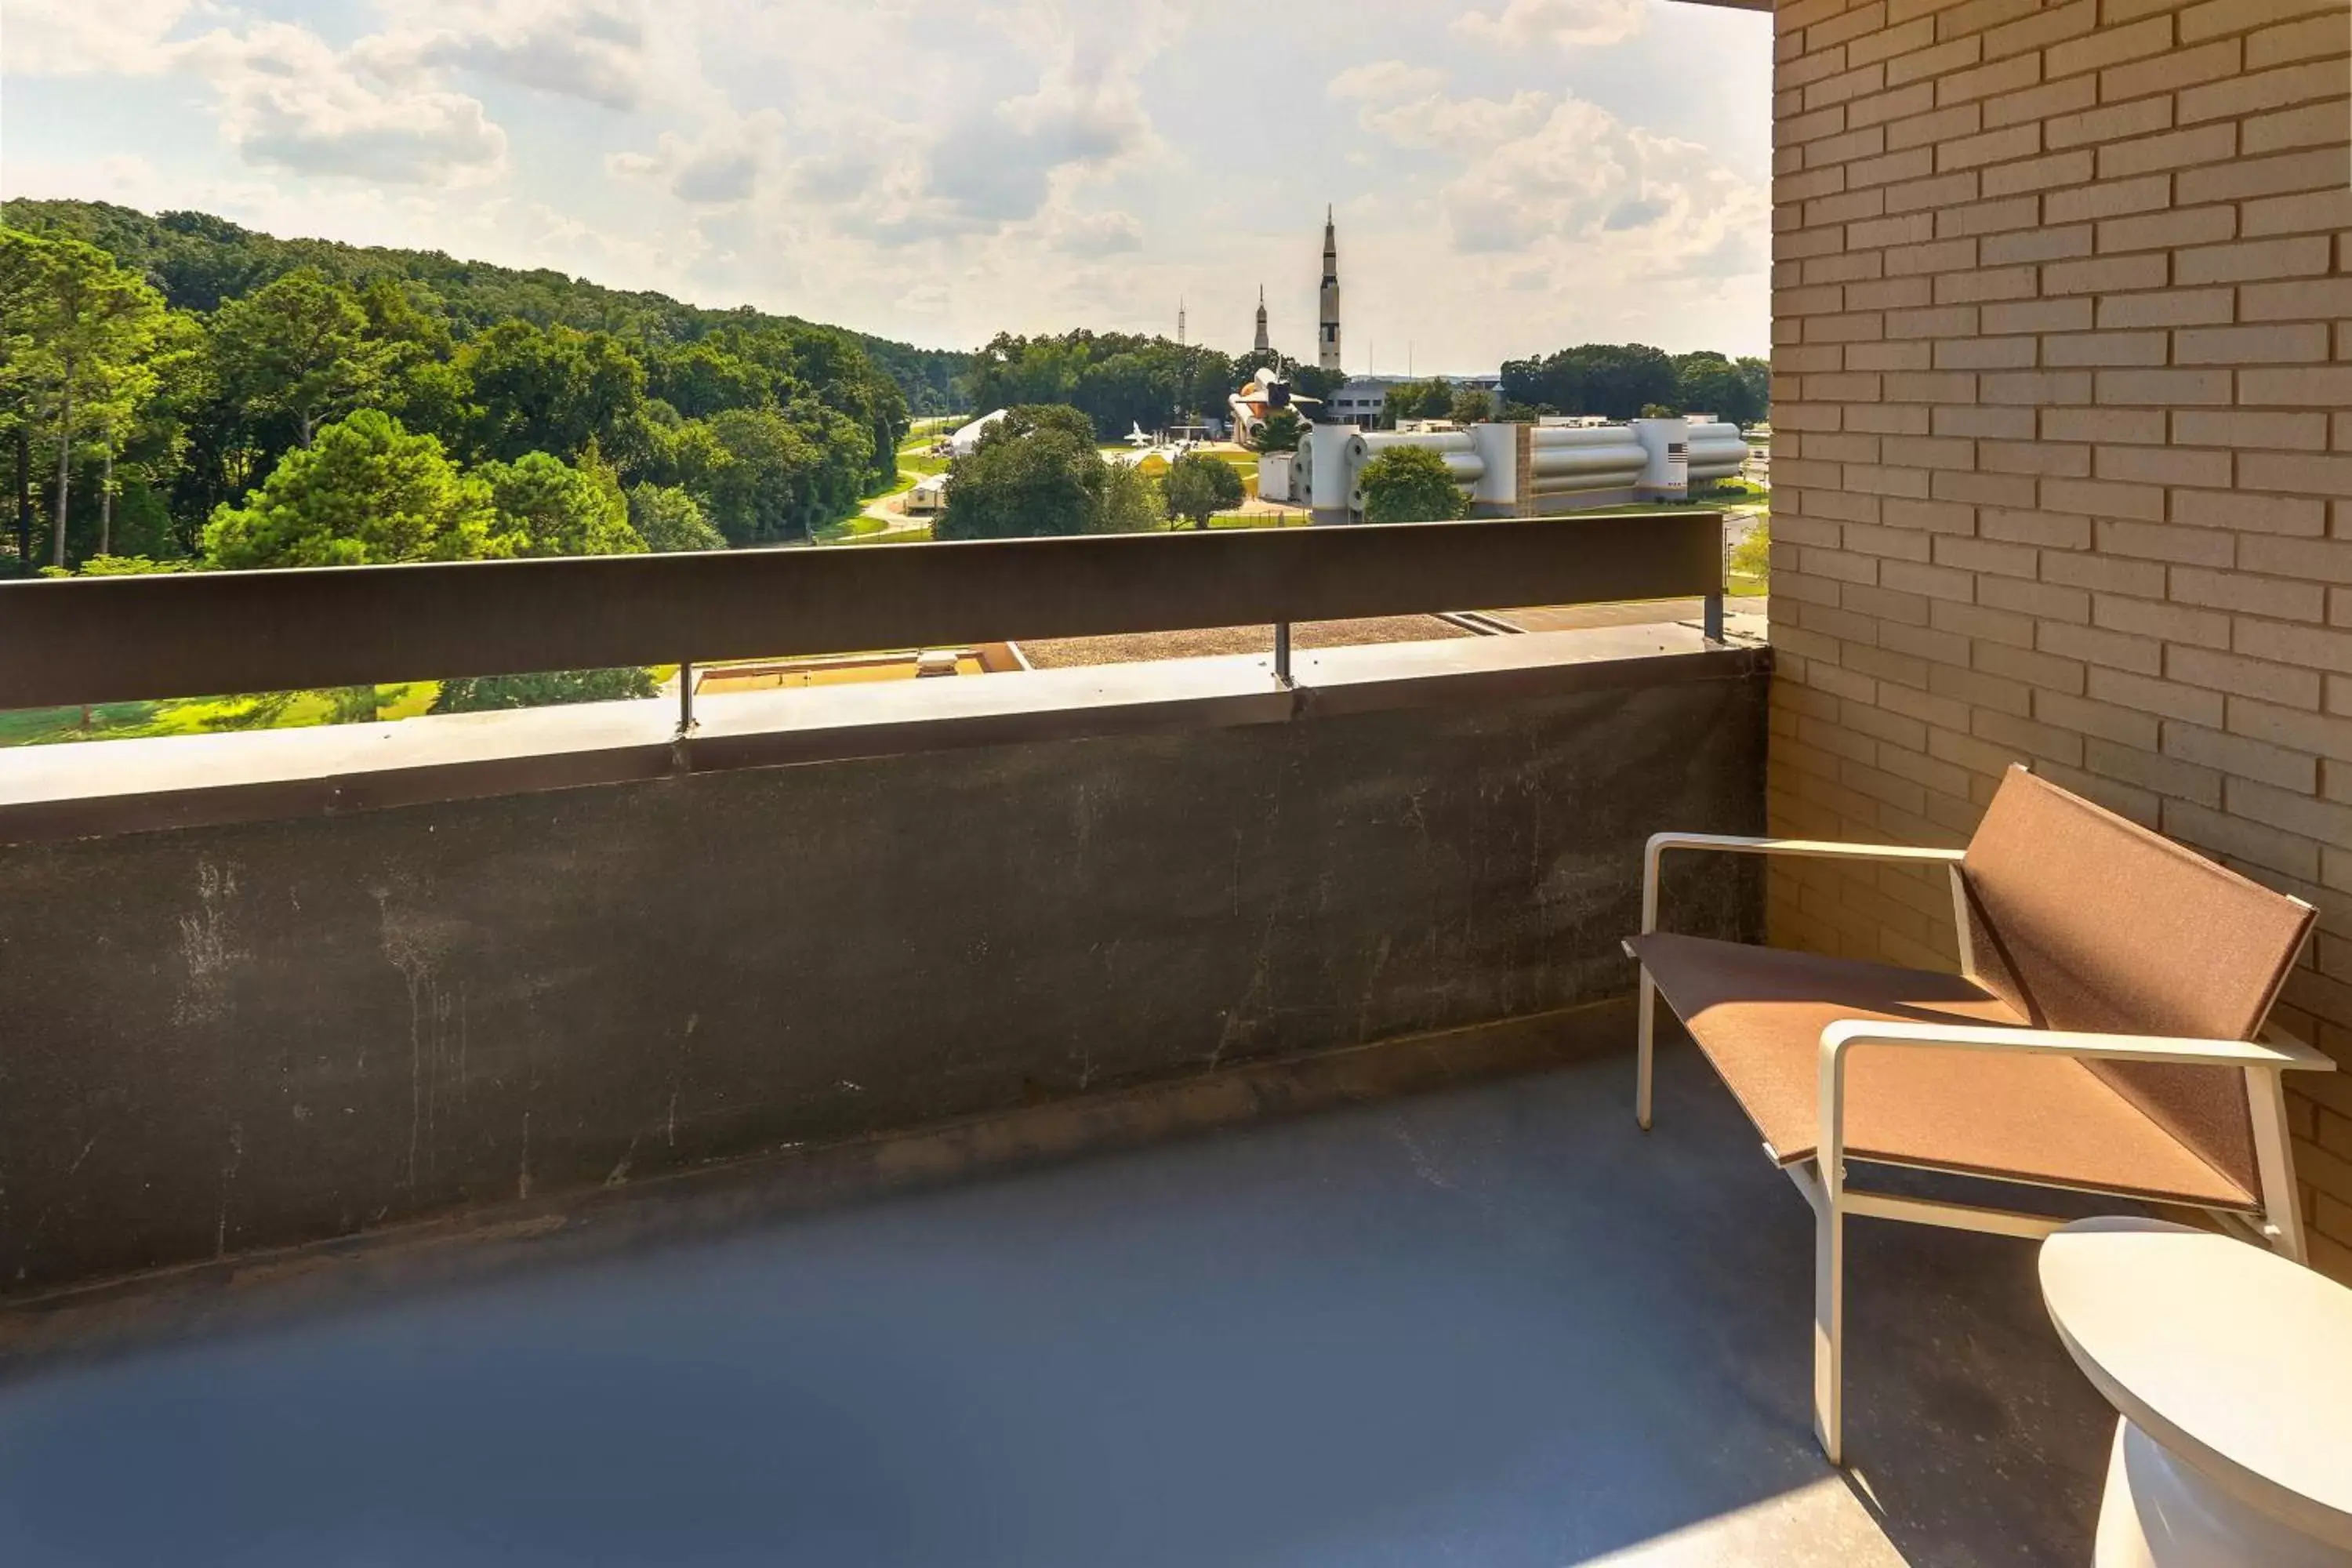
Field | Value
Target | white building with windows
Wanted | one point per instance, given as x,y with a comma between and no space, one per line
1362,402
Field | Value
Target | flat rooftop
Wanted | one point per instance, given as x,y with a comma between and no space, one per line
1485,1321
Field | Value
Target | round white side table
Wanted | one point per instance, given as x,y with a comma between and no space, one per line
2232,1370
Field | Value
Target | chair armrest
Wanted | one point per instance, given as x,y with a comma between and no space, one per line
1802,848
1840,1039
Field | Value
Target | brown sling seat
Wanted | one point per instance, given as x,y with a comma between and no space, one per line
2101,1036
1759,1014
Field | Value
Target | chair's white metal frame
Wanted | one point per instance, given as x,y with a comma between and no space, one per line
2278,1223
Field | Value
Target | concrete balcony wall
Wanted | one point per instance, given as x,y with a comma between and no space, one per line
2062,455
289,1023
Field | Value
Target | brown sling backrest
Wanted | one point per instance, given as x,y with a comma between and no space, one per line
2084,920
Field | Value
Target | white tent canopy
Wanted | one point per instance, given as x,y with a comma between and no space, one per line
965,440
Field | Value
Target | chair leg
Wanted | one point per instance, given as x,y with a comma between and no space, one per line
1829,1329
1646,1051
2274,1162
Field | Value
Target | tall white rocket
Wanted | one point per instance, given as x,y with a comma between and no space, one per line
1329,354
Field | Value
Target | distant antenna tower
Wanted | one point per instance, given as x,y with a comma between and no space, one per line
1180,323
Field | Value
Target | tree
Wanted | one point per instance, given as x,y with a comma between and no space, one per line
1755,382
1418,400
1753,557
1130,503
547,507
299,348
137,409
1198,487
1035,472
1613,380
759,470
1039,481
80,329
1281,430
551,390
554,689
705,378
116,567
668,518
1707,382
18,383
1115,379
1313,381
1027,418
497,364
364,493
1471,405
1410,484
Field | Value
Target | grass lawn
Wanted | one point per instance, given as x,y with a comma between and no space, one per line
849,529
216,715
1646,508
204,715
413,701
36,726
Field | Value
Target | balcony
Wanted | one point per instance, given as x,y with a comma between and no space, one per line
1170,1112
1431,1302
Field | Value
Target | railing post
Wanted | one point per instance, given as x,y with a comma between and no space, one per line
1282,652
1712,618
685,699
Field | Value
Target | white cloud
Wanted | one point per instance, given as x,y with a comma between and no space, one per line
936,156
721,167
1569,24
1387,81
1583,173
872,183
1094,234
76,38
290,100
600,51
1086,117
643,257
1408,105
938,170
1537,171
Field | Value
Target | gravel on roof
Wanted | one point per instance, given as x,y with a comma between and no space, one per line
1063,653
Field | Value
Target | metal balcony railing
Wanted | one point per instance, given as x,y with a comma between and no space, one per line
115,639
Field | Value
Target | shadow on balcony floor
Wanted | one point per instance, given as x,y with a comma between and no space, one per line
1490,1325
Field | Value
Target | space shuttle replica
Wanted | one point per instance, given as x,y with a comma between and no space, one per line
1260,395
1267,389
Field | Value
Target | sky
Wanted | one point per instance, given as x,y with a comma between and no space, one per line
1509,176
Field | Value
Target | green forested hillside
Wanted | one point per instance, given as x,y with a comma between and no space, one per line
198,262
180,390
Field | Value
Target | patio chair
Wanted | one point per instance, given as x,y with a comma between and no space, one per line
2101,1036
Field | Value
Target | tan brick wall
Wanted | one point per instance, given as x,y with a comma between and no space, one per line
2063,415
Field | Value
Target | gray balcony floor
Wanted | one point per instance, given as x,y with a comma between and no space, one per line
1492,1325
